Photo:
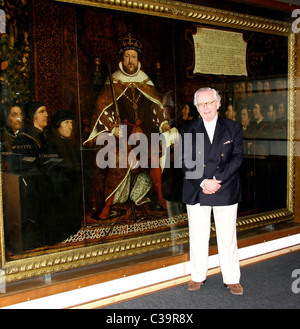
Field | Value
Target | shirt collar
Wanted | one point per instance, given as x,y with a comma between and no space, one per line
212,122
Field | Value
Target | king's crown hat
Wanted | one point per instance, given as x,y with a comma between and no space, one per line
130,43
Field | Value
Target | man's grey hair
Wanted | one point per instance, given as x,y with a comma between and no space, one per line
217,96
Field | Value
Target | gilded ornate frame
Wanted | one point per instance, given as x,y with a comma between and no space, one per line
50,262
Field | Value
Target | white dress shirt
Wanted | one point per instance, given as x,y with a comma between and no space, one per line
210,127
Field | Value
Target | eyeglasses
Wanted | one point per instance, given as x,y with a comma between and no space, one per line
208,104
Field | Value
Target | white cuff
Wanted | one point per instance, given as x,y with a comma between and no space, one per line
203,183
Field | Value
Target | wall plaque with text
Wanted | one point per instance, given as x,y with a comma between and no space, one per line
219,52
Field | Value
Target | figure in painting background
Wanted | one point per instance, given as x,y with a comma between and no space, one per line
281,120
141,110
32,142
236,95
64,195
172,177
30,146
278,154
239,98
260,150
230,113
247,124
249,95
247,167
271,113
11,126
172,103
12,123
260,131
267,95
177,112
189,112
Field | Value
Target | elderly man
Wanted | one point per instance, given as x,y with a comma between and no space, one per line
218,189
141,110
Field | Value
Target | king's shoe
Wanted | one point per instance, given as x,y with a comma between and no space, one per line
235,289
193,286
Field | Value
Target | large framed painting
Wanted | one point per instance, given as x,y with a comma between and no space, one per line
93,97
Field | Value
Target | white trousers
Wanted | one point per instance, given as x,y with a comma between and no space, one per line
199,232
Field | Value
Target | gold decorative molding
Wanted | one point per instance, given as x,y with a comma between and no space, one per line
22,269
267,218
190,12
292,81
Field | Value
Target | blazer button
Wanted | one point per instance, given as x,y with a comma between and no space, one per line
204,165
218,167
222,154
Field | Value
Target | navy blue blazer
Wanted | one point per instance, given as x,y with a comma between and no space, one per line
222,160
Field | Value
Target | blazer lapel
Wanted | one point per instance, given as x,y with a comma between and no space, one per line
200,128
219,131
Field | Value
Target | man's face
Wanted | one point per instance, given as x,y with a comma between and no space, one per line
256,112
40,119
169,107
15,118
271,112
185,112
65,129
245,120
207,105
130,61
249,87
230,112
